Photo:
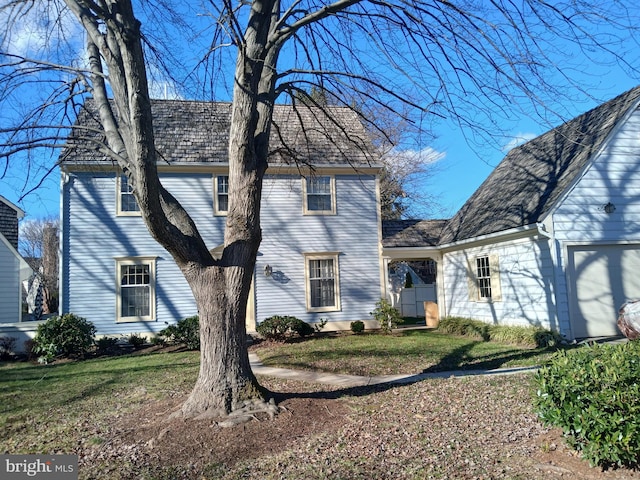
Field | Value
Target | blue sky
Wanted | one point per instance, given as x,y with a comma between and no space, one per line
457,174
461,167
465,167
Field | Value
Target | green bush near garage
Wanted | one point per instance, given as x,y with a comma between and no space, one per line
593,394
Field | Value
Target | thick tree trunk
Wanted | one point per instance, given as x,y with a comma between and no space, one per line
221,287
225,382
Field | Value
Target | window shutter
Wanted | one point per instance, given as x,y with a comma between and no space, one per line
496,291
472,280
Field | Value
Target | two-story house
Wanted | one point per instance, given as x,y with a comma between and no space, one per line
319,257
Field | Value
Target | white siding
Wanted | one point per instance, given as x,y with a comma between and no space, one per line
10,295
614,177
525,280
287,235
94,236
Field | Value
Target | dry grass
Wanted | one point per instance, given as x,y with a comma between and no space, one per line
113,413
406,352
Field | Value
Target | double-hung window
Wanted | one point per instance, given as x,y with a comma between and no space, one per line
221,194
483,275
319,195
126,202
135,289
322,282
484,281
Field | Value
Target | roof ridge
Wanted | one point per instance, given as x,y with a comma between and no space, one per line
532,176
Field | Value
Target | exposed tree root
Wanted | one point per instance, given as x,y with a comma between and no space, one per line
249,411
241,413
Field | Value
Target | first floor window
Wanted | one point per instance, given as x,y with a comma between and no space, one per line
127,204
483,274
484,284
136,289
323,286
221,194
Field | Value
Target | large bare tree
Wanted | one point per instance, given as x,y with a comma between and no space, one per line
419,59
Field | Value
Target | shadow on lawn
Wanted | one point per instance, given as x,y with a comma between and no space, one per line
460,358
357,391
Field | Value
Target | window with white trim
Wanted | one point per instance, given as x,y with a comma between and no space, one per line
136,295
484,281
126,202
322,282
319,195
221,194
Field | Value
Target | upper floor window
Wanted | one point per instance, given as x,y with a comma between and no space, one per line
319,195
221,194
126,202
322,282
484,285
135,289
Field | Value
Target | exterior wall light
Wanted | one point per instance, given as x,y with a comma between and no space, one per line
609,207
268,270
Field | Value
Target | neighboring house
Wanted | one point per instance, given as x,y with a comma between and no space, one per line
319,257
552,237
13,268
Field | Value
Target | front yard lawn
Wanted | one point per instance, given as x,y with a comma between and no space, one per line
405,352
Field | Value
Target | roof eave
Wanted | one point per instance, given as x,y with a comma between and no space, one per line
503,235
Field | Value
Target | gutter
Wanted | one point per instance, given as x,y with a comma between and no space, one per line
490,237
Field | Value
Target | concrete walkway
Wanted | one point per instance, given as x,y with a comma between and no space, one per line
358,381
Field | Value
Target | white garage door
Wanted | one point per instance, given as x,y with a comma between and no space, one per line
601,278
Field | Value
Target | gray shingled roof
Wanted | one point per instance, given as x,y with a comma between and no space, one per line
529,181
532,177
411,233
9,215
191,132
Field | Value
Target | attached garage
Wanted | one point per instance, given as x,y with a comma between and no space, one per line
560,217
600,279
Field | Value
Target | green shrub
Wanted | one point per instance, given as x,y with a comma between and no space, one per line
301,328
7,347
527,336
387,316
465,327
65,336
319,326
158,340
136,341
357,326
517,335
279,327
106,345
186,331
547,338
593,394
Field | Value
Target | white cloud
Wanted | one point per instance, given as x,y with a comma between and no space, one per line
425,156
518,139
41,30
